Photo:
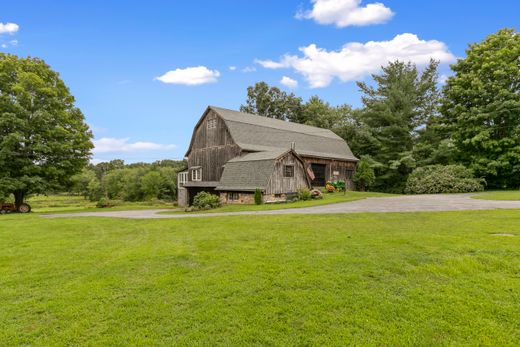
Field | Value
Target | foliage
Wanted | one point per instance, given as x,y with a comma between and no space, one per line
105,202
402,102
44,139
304,194
339,185
481,108
128,182
272,102
178,282
205,200
436,179
364,176
329,187
258,196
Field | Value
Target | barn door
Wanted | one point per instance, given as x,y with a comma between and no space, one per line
319,175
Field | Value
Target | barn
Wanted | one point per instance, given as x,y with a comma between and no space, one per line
232,154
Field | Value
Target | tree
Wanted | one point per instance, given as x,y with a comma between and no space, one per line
395,110
364,176
80,182
151,184
272,102
44,139
481,109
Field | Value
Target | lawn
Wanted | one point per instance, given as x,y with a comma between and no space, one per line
74,203
328,198
499,195
365,279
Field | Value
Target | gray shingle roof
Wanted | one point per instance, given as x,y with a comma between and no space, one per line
246,175
257,133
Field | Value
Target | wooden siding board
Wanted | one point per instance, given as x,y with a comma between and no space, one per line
278,184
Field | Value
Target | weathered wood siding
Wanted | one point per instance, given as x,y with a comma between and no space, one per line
279,184
211,148
346,169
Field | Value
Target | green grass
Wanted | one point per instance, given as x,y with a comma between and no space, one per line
328,198
72,203
419,279
499,195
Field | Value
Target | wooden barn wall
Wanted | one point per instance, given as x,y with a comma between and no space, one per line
211,148
333,165
279,184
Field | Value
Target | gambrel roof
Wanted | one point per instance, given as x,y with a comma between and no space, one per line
256,133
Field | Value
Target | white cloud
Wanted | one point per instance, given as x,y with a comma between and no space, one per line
109,145
289,82
232,68
190,76
443,78
249,69
344,13
356,60
8,28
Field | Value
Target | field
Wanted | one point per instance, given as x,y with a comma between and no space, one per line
449,278
499,195
73,203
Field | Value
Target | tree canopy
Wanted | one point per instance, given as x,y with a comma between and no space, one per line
43,136
481,109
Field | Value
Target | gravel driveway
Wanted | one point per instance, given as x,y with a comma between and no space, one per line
405,203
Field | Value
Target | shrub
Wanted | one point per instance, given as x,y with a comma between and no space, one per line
364,176
304,194
435,179
105,202
205,200
258,196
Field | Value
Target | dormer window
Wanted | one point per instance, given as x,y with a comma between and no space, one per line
212,123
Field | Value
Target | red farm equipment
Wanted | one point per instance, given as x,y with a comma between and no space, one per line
8,208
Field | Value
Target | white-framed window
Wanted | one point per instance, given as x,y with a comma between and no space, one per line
212,123
196,174
233,196
183,177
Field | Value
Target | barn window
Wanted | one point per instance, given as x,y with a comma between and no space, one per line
183,178
212,123
196,174
288,171
233,196
349,174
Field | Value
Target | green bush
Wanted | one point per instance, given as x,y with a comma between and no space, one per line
105,202
258,196
364,176
304,194
205,200
435,179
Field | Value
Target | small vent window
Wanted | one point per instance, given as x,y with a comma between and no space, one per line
212,123
288,171
233,196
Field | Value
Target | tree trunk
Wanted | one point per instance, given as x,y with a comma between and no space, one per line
18,198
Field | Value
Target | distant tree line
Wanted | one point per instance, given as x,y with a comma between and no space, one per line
116,180
407,122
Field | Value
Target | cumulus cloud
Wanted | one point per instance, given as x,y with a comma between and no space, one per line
356,60
289,82
8,28
110,145
343,13
190,76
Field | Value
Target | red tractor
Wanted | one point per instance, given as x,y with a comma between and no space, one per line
8,208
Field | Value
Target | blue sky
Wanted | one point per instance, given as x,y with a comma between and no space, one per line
115,55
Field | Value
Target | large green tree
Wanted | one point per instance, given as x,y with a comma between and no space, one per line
481,108
43,136
396,107
272,102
